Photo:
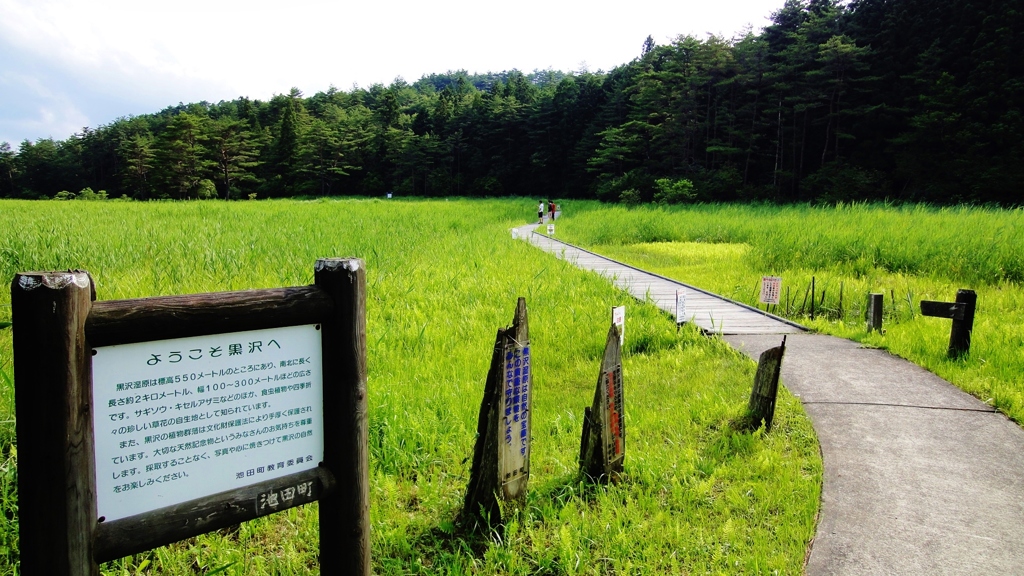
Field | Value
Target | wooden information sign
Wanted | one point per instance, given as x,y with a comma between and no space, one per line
501,457
144,422
771,288
603,445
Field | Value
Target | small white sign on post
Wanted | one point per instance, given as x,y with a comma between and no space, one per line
619,319
515,234
551,229
181,419
771,287
680,306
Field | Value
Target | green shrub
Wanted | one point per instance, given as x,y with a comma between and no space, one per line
669,191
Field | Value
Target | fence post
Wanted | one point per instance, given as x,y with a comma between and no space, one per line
344,515
53,399
873,313
960,334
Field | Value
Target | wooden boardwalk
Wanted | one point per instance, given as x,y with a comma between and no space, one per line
712,313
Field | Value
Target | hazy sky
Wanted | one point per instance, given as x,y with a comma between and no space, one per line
67,64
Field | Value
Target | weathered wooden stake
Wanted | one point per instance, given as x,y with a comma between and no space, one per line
812,297
761,408
344,515
501,456
960,333
841,300
603,444
961,312
873,312
53,398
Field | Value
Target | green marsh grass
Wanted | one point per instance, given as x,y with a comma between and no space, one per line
908,253
442,277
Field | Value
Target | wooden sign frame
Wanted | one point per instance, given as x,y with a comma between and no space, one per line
57,322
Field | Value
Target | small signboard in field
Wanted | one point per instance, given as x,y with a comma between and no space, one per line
771,288
680,306
619,319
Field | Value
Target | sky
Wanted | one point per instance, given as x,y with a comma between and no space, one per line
70,64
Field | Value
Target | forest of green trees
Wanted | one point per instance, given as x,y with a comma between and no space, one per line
873,99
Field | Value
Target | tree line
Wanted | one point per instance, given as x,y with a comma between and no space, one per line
874,99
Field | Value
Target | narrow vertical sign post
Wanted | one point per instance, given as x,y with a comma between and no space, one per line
501,456
603,444
551,229
619,319
680,307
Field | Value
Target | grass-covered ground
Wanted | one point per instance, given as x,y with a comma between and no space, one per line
908,253
697,496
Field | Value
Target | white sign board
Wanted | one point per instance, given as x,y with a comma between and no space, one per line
619,319
514,453
680,306
176,420
551,229
771,286
515,234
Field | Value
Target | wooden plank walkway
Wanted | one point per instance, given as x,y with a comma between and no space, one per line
712,313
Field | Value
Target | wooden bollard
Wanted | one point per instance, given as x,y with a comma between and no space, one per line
873,312
961,312
761,408
501,457
603,445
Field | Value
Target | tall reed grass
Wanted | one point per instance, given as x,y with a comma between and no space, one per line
908,253
442,277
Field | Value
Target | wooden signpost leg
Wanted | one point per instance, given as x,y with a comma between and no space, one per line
344,516
960,334
53,396
874,312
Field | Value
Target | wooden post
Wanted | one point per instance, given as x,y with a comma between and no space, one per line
344,515
812,297
761,408
53,398
501,456
603,444
960,334
962,313
873,312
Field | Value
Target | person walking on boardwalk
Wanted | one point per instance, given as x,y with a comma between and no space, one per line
540,213
551,207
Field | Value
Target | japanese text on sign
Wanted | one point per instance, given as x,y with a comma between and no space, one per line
615,435
771,286
181,419
514,451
